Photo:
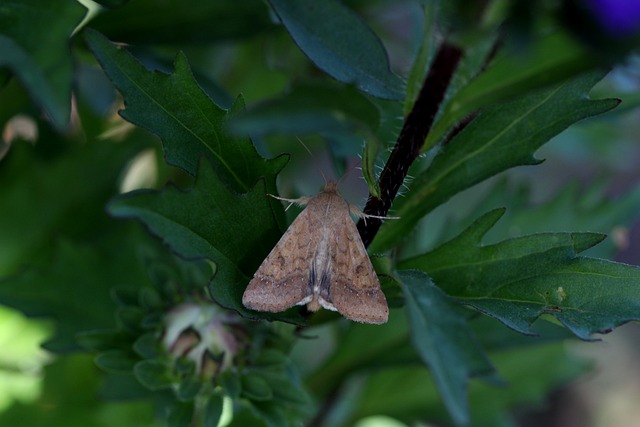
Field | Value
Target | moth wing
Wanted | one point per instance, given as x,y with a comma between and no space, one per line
355,289
282,280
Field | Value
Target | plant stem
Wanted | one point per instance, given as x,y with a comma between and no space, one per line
412,136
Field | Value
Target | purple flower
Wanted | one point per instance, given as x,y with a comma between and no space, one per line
619,18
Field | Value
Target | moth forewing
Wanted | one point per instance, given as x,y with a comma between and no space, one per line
320,261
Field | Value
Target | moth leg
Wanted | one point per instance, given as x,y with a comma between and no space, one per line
353,209
302,201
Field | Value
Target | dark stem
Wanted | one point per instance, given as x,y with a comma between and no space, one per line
327,404
411,139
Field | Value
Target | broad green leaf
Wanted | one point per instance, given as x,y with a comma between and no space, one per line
554,58
62,290
530,374
37,201
340,44
518,280
498,139
176,109
310,109
182,21
44,66
236,231
443,341
69,397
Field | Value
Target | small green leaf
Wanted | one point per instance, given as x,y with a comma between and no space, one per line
256,388
340,44
310,109
212,411
130,318
101,340
180,414
148,346
153,374
117,361
189,388
190,125
518,280
443,341
498,139
45,69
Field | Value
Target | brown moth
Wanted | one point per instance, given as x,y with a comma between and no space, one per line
320,261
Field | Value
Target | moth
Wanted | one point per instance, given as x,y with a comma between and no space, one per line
320,261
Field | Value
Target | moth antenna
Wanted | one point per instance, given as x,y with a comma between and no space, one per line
305,147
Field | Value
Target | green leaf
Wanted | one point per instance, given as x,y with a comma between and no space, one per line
45,69
310,109
190,125
518,280
38,202
256,388
153,374
443,341
62,290
530,374
498,139
182,22
236,231
571,208
180,414
118,361
555,57
423,55
340,44
212,411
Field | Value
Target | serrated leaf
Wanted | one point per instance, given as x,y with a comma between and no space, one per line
499,138
45,69
443,341
555,57
310,109
340,44
190,125
236,231
518,280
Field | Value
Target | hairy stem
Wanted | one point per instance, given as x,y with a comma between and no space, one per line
414,131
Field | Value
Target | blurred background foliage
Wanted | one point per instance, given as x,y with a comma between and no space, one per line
65,153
